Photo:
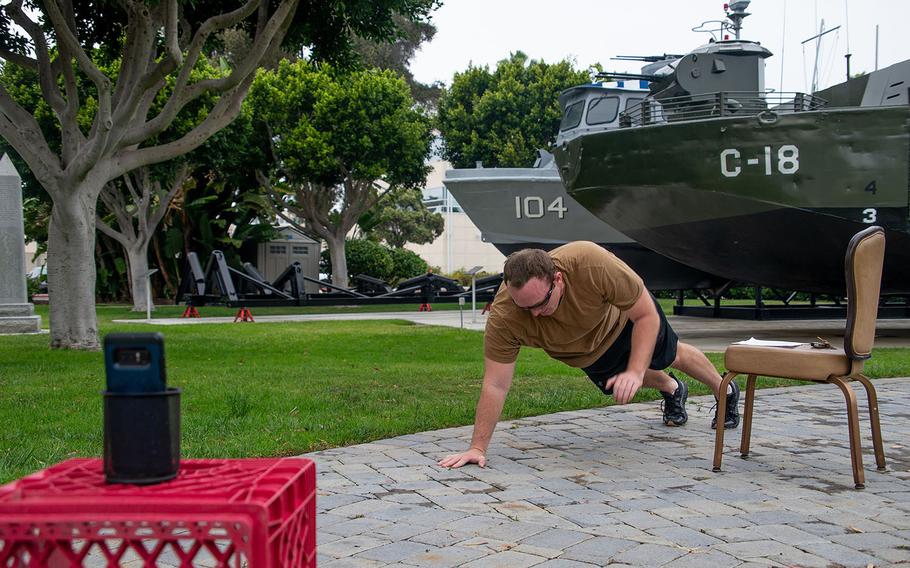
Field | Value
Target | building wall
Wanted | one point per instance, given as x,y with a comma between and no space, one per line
274,257
467,250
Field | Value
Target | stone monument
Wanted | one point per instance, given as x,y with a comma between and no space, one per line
17,315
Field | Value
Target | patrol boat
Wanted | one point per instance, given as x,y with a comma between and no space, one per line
517,208
766,188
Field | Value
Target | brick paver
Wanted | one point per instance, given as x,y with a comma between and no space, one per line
613,485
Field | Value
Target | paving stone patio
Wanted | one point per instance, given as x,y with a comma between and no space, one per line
614,486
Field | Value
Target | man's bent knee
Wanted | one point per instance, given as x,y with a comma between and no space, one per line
685,356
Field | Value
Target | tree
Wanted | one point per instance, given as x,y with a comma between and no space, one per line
156,43
406,264
137,219
338,139
502,118
397,55
364,256
403,219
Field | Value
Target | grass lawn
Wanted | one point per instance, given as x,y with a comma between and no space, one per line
108,312
286,388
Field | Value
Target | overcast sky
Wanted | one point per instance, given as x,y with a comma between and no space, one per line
591,31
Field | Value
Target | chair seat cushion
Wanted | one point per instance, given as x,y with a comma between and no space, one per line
803,362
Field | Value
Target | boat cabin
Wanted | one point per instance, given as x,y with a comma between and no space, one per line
594,107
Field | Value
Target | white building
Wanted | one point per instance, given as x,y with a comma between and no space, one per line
459,246
41,260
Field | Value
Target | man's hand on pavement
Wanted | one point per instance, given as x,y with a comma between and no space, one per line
625,385
473,455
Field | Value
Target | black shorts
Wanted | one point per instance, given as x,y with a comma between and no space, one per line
616,358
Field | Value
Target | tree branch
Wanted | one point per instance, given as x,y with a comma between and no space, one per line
143,205
225,110
149,73
73,138
21,130
46,75
128,182
178,98
262,44
179,179
171,33
20,60
101,126
265,43
275,199
113,200
139,47
110,231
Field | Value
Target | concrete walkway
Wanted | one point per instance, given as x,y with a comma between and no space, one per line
615,486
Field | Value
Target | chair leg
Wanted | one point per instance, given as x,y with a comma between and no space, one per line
721,413
856,454
747,416
874,421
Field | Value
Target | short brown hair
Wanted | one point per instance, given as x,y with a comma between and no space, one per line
525,264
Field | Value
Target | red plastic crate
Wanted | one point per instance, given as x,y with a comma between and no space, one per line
255,513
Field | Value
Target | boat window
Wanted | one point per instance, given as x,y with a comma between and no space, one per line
602,110
632,101
572,116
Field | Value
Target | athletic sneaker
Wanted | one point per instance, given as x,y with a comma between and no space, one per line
674,405
732,410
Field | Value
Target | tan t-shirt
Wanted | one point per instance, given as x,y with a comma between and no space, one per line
599,288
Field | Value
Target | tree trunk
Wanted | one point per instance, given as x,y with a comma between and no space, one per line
339,261
138,266
165,270
71,270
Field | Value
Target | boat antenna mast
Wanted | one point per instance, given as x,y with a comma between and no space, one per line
736,13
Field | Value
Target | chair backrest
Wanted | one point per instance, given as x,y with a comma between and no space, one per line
863,265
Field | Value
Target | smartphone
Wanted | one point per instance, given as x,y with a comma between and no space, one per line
134,362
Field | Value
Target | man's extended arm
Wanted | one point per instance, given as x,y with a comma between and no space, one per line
646,325
497,379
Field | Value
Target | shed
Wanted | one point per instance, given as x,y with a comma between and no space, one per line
290,246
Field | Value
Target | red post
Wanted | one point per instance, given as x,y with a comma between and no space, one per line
190,312
243,314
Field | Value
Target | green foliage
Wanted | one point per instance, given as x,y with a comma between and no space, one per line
37,285
36,214
111,283
365,256
107,34
368,257
396,55
325,27
406,264
463,278
502,118
223,191
402,218
337,140
330,126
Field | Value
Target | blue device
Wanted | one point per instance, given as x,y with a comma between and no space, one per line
134,362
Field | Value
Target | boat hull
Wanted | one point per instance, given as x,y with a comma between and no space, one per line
518,208
772,202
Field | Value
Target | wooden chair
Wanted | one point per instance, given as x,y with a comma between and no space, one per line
863,266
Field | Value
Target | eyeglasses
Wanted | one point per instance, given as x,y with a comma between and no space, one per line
544,302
